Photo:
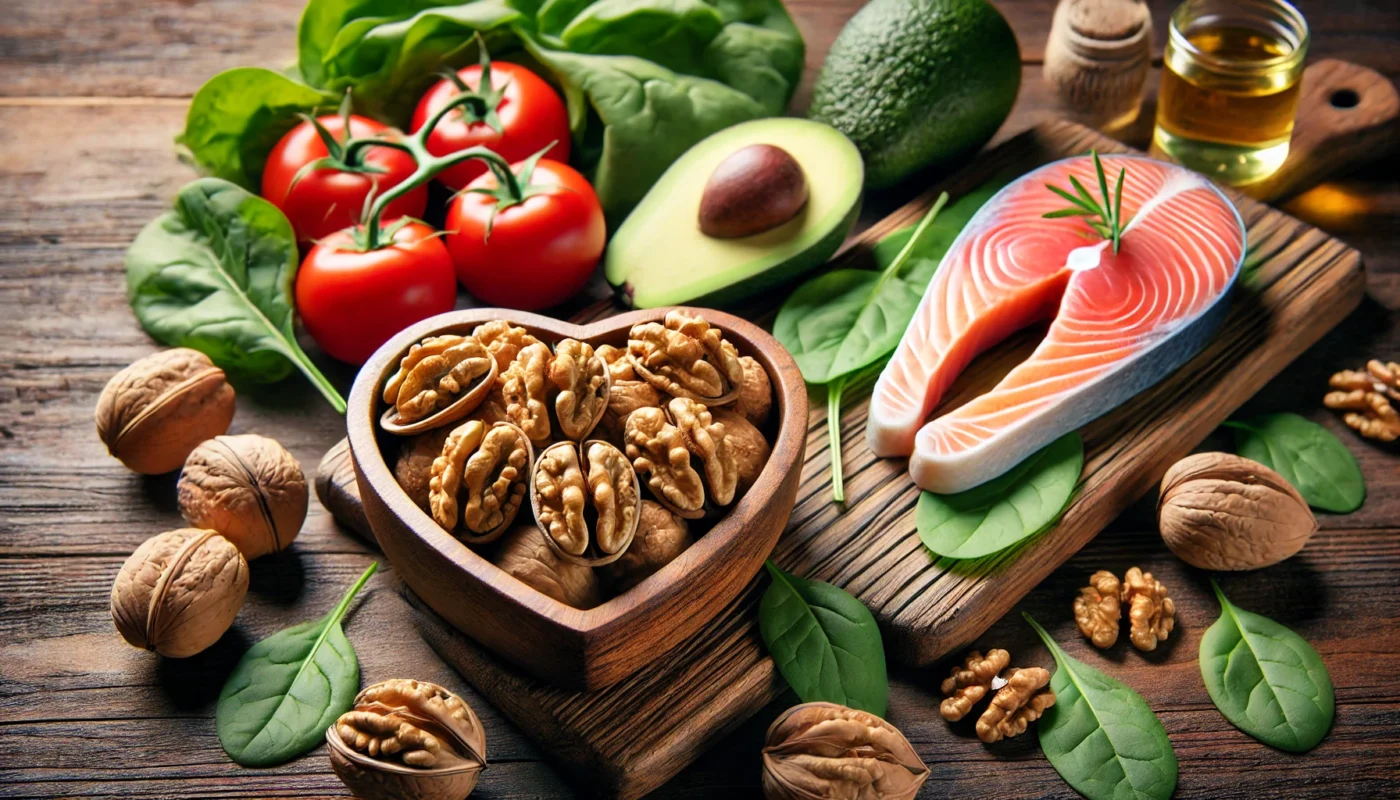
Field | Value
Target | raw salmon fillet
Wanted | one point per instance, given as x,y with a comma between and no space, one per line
1120,323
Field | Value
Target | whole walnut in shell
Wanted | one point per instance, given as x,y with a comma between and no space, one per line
1223,512
745,445
414,467
179,592
154,412
755,399
824,750
408,740
661,537
526,556
248,488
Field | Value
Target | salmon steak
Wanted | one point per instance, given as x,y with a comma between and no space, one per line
1119,322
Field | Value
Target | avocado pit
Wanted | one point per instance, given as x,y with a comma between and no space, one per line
755,189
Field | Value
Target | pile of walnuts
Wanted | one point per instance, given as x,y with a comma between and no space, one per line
583,470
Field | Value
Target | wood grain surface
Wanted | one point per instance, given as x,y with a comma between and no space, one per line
92,96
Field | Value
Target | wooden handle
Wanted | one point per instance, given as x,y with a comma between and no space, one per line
1346,117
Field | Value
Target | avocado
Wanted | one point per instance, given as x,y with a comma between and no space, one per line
659,256
918,83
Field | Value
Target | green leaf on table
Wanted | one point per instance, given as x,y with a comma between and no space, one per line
215,274
288,688
1265,679
1307,455
1101,736
1005,510
824,641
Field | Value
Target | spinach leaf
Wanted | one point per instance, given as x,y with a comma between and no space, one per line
1005,510
1101,736
237,117
215,274
1265,679
288,688
825,643
1318,465
671,33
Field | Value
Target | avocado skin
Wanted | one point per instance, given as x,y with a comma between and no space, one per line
917,83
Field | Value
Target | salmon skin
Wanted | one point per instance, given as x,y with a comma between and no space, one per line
1119,322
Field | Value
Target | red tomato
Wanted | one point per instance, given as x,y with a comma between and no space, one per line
531,117
327,200
540,252
352,302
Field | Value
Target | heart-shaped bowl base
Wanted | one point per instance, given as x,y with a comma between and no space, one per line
582,649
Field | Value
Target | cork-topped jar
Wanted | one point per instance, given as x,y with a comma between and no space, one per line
1097,59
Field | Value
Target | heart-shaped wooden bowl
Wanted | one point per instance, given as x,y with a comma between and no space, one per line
573,648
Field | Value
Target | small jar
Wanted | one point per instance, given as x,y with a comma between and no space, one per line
1230,87
1097,59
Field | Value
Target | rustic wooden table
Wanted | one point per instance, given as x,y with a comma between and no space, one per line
91,96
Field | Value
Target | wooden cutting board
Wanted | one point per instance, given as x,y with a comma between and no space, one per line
631,737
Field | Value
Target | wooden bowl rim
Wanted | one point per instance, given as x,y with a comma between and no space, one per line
790,405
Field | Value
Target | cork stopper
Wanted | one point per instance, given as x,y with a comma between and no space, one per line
1097,59
1107,20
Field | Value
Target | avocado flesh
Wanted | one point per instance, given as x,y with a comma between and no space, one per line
659,257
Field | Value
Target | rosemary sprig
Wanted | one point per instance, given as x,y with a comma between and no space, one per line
1105,218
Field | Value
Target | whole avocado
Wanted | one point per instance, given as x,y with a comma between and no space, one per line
914,83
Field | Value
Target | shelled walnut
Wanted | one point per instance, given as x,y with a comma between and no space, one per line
1366,398
586,501
408,740
661,537
966,686
1019,699
1097,609
441,380
179,592
478,483
523,393
683,455
685,356
579,380
1151,614
626,392
503,340
248,488
526,556
152,414
824,750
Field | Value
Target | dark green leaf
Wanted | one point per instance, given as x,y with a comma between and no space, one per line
1307,455
824,641
1101,736
1006,510
1266,680
288,688
215,274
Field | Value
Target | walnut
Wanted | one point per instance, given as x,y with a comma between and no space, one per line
755,398
708,443
1097,609
965,686
179,592
408,740
823,750
1222,512
1151,613
580,380
686,357
661,537
414,467
661,456
746,446
522,393
503,341
1020,702
626,392
1366,397
526,556
478,483
441,380
248,488
586,501
154,412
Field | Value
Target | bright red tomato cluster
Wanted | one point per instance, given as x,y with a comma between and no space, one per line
528,255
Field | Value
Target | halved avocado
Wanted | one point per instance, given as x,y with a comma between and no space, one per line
659,256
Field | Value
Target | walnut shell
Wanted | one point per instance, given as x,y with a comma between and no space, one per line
414,467
527,557
441,380
154,412
408,740
1223,512
179,592
248,488
820,750
661,536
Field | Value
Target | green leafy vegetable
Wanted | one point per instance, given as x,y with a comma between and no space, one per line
1318,465
288,688
1265,679
824,641
1001,512
215,274
1101,736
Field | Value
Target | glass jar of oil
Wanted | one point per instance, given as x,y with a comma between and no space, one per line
1230,87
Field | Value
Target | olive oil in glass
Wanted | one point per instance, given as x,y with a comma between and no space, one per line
1230,83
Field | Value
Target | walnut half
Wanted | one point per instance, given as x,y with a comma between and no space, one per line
685,356
580,383
439,381
1151,613
1097,609
478,483
684,454
824,750
586,500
